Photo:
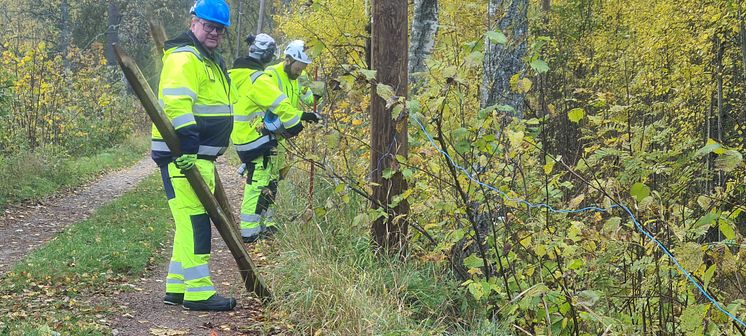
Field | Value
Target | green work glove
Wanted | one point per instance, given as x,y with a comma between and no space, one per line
186,161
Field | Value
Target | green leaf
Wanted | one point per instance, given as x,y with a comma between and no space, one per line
728,161
476,290
496,37
361,220
388,173
369,74
461,140
473,261
413,106
333,139
475,59
340,188
589,298
505,108
704,202
315,47
515,138
707,219
549,166
576,114
611,225
709,273
319,212
692,317
317,87
384,91
639,191
396,111
712,146
727,230
540,66
457,235
575,264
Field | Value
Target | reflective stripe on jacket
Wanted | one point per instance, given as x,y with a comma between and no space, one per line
292,87
197,97
257,95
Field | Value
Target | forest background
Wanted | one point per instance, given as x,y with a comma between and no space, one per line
633,111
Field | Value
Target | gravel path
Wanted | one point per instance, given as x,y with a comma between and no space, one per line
27,226
140,311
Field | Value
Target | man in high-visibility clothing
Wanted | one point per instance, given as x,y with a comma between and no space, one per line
197,97
264,115
288,72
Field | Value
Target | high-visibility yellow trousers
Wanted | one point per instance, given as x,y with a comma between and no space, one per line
189,270
259,193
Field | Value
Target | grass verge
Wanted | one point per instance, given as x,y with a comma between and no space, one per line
48,292
33,175
332,282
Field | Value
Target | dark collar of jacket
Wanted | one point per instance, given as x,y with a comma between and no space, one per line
247,63
188,39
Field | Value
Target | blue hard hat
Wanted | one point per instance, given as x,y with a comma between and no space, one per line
212,10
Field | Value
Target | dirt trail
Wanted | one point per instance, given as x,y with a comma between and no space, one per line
29,225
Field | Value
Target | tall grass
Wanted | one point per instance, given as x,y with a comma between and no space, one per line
329,280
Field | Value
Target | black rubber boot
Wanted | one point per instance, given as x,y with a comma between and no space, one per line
250,239
214,303
269,231
173,298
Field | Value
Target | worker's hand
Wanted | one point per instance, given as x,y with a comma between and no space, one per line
310,117
186,161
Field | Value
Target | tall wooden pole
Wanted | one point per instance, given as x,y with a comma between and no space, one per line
388,136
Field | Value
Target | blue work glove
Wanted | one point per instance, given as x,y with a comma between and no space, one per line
186,161
310,117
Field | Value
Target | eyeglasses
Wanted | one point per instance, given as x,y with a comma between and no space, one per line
209,27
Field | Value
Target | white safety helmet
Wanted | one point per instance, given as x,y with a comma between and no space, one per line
261,47
296,50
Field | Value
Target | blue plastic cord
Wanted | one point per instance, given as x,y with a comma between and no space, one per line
590,208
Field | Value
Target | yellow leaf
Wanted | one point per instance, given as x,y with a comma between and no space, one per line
526,242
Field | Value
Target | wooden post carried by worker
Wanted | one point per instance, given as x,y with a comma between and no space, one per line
223,221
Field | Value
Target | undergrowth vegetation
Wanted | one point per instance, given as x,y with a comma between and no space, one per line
614,204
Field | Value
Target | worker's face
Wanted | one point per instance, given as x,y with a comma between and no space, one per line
294,68
208,33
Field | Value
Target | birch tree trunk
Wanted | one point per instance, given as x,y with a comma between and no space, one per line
114,17
260,21
502,61
65,31
424,30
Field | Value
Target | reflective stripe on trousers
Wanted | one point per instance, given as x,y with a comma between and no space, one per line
189,271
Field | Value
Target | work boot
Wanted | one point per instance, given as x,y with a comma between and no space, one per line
214,303
250,239
173,298
269,231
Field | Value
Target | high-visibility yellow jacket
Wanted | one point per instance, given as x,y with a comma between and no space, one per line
257,96
197,97
290,87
